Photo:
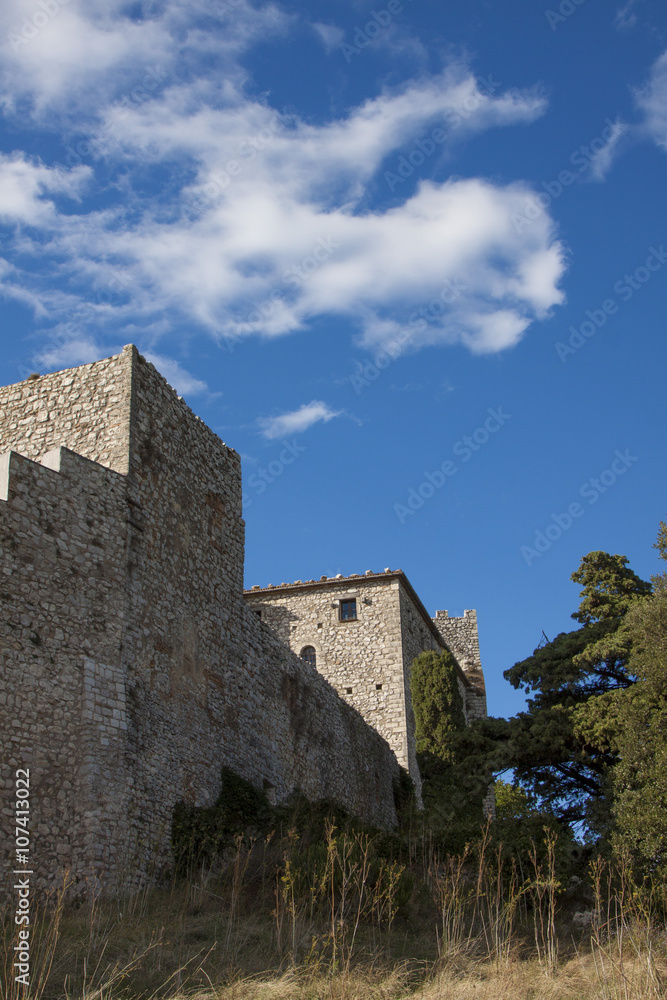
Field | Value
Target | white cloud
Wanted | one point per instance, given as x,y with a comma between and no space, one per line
64,54
263,224
76,54
625,16
492,332
602,160
298,420
24,184
652,101
69,350
330,35
181,380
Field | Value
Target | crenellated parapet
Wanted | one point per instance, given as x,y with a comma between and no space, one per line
63,536
132,665
462,639
131,668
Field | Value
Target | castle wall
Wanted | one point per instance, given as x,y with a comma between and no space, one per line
63,543
199,662
365,660
361,659
85,409
462,638
150,672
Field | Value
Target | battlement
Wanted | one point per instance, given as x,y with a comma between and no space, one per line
131,667
59,460
462,638
362,632
85,409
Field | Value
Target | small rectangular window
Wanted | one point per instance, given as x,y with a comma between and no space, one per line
378,687
348,610
348,690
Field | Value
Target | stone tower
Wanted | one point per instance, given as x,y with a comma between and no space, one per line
131,666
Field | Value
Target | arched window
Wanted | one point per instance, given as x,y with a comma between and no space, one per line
309,655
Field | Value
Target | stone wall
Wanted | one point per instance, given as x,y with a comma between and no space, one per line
362,659
367,660
132,667
462,638
85,409
63,542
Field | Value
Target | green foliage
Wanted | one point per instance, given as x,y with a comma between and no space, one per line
520,826
514,805
198,834
201,834
437,703
405,801
454,780
564,745
453,801
609,587
640,778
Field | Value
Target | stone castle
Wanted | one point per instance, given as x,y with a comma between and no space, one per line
133,665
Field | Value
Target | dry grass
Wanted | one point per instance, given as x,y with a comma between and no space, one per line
290,926
521,980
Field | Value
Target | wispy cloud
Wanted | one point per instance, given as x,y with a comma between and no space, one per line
178,377
252,192
626,16
68,350
298,420
330,35
602,160
25,187
652,102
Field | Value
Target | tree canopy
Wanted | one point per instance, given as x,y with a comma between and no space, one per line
590,750
639,781
454,781
563,746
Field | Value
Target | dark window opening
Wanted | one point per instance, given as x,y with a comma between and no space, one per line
378,687
348,610
348,690
309,655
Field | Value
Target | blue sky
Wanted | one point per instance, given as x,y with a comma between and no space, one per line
409,259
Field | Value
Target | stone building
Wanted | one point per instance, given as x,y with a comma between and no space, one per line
132,666
362,633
